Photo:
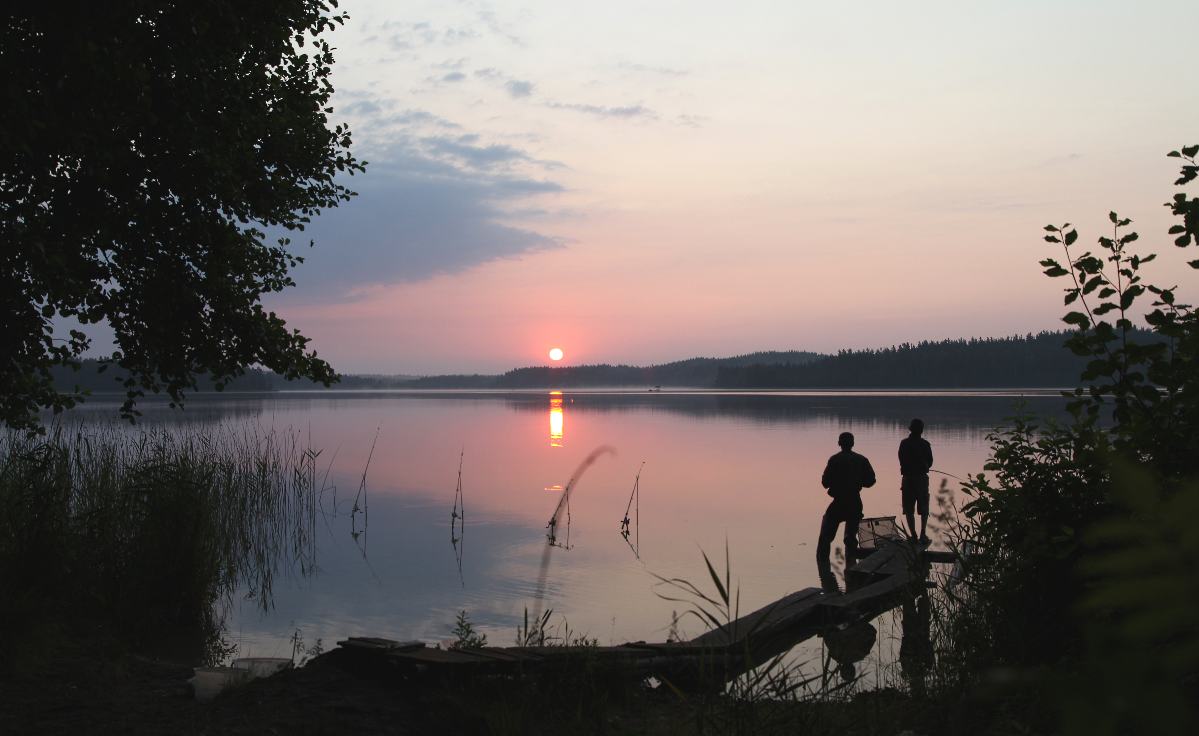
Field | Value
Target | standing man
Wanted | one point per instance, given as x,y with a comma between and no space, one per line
915,460
846,474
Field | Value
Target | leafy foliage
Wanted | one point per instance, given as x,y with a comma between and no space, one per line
1149,383
1084,536
145,149
1048,483
1143,653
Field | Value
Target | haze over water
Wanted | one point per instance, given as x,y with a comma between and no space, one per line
741,467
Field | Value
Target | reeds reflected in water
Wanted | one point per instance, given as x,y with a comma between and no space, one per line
148,534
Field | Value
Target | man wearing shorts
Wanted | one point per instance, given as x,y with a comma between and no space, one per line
915,460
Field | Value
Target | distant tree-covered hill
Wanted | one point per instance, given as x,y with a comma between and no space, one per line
690,372
1028,361
92,378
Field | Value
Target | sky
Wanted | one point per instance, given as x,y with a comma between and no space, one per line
639,182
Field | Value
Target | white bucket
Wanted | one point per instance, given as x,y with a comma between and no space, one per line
208,681
262,666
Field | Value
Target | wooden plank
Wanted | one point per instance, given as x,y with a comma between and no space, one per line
764,621
379,644
436,656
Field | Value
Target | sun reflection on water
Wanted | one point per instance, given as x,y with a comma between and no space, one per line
556,419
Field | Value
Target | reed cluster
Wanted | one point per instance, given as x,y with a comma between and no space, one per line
142,535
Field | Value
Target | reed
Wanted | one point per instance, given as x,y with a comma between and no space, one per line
144,535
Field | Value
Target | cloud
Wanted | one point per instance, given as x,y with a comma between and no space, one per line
690,121
363,108
417,117
453,77
377,119
477,157
646,69
620,111
458,35
516,87
403,36
499,28
416,217
519,88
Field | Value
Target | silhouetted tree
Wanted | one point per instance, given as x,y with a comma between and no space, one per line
145,149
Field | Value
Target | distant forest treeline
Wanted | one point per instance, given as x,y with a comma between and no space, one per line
1029,361
691,372
90,378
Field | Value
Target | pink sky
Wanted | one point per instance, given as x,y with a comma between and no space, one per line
640,184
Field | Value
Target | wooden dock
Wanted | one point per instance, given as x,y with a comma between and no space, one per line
890,572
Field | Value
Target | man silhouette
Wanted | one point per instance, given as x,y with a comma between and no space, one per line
915,460
845,475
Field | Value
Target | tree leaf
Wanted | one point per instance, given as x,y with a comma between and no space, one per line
1077,318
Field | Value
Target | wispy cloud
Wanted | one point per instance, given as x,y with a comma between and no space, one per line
429,203
415,217
665,71
463,150
604,111
380,118
362,108
405,36
492,22
519,87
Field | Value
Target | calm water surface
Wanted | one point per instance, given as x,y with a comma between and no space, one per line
718,467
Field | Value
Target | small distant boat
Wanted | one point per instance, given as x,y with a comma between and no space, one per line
656,388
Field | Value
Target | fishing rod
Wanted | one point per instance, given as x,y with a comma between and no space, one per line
459,511
634,496
458,521
951,475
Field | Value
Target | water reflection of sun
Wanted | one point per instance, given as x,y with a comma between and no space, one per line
555,419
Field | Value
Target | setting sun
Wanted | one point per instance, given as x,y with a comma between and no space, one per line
556,354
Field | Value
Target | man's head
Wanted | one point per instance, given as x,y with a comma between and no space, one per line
845,440
916,427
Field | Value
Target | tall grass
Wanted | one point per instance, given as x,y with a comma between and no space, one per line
142,536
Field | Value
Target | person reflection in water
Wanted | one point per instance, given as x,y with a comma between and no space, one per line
845,475
849,645
916,656
915,460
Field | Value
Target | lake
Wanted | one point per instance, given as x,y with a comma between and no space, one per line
716,468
